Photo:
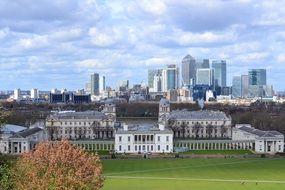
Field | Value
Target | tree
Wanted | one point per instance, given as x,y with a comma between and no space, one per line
5,177
3,117
58,166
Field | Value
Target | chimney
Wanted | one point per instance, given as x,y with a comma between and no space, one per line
125,127
161,127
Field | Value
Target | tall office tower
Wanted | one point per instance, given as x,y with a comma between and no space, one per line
123,85
237,86
170,78
102,84
257,76
157,83
204,76
94,84
188,70
244,86
202,63
17,94
34,93
151,73
220,72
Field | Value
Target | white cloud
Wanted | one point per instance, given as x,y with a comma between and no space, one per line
36,41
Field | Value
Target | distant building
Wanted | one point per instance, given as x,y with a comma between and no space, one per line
220,72
94,88
199,92
123,85
151,74
102,84
204,77
34,93
143,139
170,78
257,76
17,94
157,83
244,86
60,98
188,70
202,63
236,87
172,95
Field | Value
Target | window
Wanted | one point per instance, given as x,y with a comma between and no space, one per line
151,147
167,147
129,147
120,148
158,147
167,138
158,138
136,148
65,123
129,138
279,147
120,138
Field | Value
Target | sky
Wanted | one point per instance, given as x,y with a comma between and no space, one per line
57,44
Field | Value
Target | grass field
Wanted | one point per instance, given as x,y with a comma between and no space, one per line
195,174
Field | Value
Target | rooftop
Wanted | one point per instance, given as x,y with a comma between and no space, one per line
260,133
78,115
9,128
26,133
198,115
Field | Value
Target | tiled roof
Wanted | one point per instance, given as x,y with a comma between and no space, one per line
78,115
260,133
26,133
198,115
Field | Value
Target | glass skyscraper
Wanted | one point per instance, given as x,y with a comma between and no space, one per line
257,76
170,78
94,84
151,74
188,70
237,86
220,72
204,76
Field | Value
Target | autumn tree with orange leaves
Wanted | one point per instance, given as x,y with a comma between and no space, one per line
58,166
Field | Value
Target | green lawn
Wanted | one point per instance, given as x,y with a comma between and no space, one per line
223,152
200,174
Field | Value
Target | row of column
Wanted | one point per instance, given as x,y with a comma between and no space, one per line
96,146
142,139
217,146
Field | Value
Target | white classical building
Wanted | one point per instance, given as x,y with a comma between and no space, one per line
23,141
142,138
83,125
264,141
195,124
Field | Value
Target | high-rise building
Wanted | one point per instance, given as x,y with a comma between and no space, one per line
257,76
202,63
123,85
151,73
170,78
188,70
17,94
244,86
237,86
157,83
219,72
88,88
34,93
94,88
204,76
102,84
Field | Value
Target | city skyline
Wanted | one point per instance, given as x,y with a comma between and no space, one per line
61,43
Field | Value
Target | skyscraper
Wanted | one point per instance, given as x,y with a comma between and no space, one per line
102,85
244,86
188,70
151,73
170,78
204,76
202,63
257,76
237,86
34,93
219,72
157,83
94,84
